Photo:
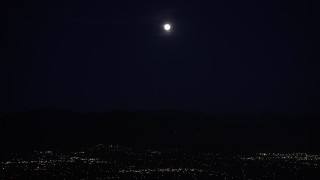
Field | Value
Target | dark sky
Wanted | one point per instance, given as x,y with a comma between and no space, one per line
221,56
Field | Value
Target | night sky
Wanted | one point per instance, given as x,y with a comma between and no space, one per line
220,57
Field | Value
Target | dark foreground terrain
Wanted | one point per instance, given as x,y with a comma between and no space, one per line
115,162
167,144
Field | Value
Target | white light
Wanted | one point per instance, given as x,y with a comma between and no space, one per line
167,27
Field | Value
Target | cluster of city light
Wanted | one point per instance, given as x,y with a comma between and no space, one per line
163,170
72,160
283,156
116,162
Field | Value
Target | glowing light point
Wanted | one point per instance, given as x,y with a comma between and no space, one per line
167,27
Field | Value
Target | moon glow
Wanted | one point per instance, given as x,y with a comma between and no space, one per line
167,27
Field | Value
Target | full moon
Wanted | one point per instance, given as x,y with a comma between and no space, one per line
167,27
